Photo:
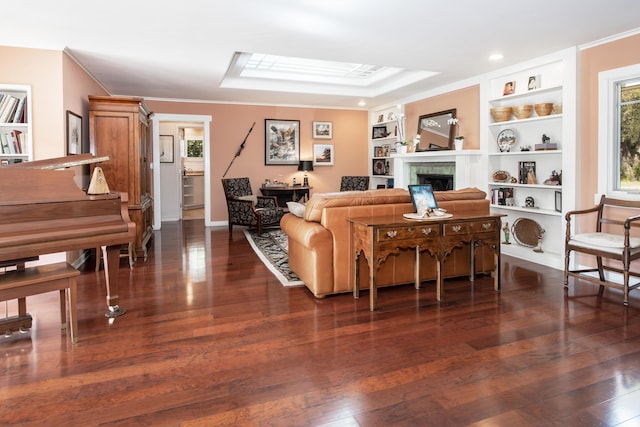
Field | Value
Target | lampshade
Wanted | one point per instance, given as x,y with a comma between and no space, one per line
305,165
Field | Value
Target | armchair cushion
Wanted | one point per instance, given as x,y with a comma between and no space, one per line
604,240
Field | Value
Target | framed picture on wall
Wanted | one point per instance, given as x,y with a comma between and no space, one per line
74,133
166,148
322,130
281,142
323,155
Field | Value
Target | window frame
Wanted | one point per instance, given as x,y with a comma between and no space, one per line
608,114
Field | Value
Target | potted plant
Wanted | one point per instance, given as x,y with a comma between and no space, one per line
402,146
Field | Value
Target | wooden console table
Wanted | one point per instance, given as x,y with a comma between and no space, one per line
286,194
379,237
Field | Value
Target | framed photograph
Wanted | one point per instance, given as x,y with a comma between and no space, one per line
378,167
322,130
74,133
323,155
281,142
378,132
509,88
534,82
379,152
166,148
559,201
386,150
380,118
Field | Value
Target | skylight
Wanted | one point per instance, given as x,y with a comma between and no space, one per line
291,74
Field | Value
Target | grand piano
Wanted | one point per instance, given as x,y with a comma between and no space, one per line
44,211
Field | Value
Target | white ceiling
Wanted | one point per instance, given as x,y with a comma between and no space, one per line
181,50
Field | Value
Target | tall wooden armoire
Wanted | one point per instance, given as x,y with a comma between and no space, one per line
120,128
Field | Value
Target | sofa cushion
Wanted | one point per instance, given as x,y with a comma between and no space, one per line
319,201
296,208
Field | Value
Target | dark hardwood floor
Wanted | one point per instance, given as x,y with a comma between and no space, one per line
211,338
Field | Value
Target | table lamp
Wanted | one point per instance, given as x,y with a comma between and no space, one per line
306,166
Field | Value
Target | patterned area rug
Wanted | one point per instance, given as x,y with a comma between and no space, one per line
271,248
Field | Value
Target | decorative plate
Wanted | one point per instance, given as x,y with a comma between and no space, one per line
526,232
506,140
501,176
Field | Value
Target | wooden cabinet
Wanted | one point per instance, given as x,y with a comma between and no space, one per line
120,128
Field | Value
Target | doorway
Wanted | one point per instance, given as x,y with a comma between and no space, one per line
169,171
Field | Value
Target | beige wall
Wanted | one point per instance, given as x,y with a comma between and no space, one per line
467,104
615,54
230,124
42,70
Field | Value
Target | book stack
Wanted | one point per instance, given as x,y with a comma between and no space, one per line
502,196
12,108
13,142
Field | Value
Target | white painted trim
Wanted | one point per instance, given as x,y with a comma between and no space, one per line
206,121
607,81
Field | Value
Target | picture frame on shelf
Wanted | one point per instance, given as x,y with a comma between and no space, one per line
386,150
509,88
74,133
534,82
378,132
379,152
378,167
322,130
558,204
380,118
281,142
323,155
166,148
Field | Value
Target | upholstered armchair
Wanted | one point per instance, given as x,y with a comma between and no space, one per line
244,208
351,183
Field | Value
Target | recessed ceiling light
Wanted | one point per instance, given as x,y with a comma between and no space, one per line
362,103
496,57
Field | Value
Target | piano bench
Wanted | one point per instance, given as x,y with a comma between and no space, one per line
19,284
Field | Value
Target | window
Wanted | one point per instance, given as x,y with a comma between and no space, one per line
619,132
628,138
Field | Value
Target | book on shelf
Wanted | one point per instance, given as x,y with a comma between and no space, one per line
12,108
502,196
527,172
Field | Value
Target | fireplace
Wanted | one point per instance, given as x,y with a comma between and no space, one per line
439,182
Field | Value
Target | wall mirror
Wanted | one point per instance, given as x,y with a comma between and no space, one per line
436,130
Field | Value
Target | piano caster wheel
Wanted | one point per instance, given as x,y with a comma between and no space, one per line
24,330
115,311
8,333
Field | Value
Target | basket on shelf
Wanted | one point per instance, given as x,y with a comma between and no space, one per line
543,109
523,111
501,114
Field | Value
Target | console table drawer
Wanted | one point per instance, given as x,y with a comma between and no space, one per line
403,233
459,228
482,226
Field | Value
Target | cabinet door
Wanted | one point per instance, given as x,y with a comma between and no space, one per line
111,135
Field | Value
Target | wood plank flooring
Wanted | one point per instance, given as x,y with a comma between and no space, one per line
211,338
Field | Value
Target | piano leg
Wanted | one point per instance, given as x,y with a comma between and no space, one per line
111,255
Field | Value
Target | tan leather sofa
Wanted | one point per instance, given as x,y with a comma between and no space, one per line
320,250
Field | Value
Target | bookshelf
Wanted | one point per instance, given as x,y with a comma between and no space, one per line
15,124
540,196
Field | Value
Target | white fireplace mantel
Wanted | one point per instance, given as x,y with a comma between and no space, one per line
467,165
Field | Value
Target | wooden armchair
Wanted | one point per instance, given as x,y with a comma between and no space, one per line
614,242
246,209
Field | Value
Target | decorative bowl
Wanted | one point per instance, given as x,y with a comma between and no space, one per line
543,109
557,108
439,211
523,111
501,176
501,114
